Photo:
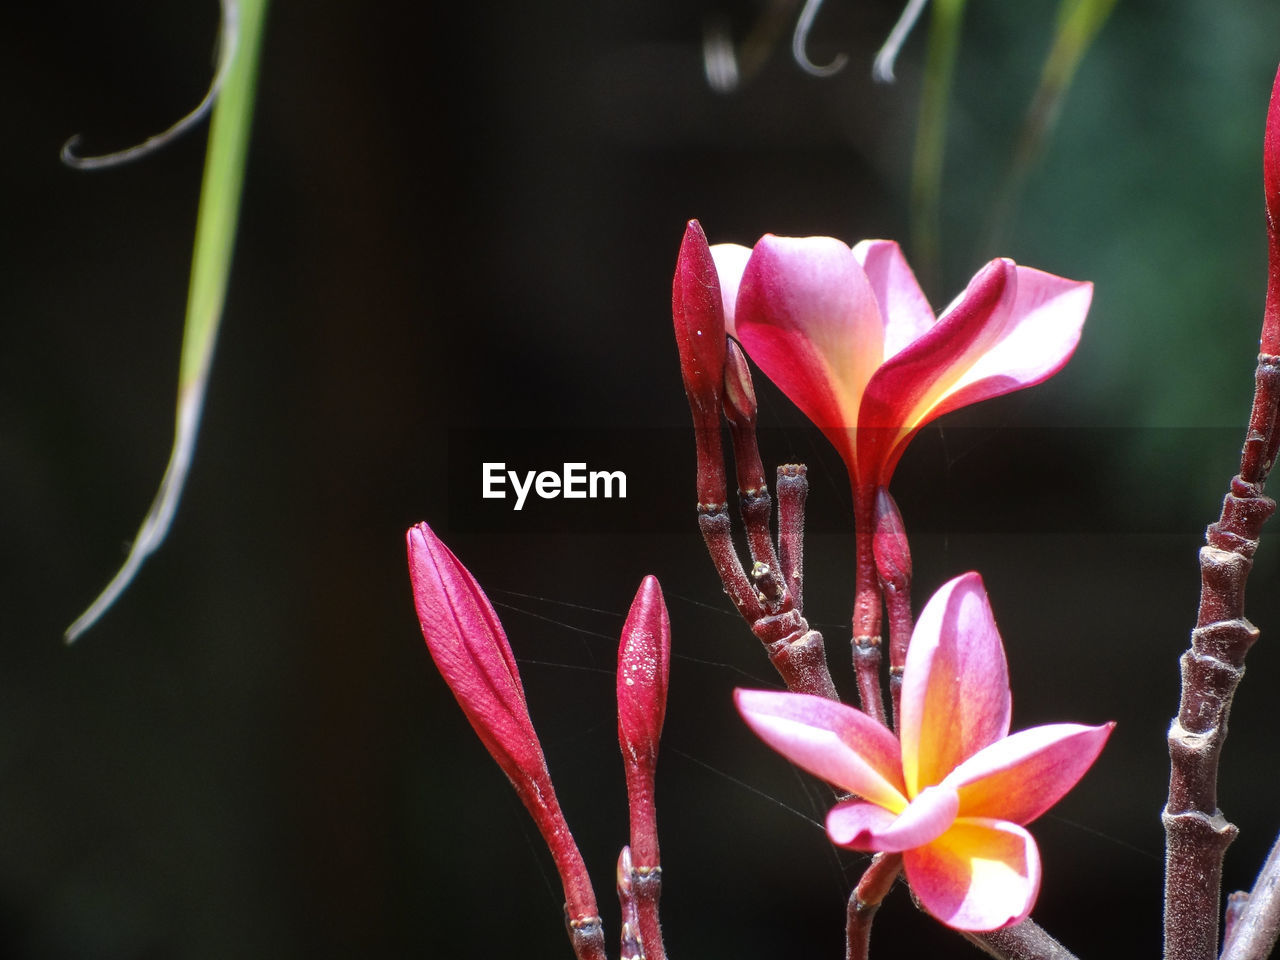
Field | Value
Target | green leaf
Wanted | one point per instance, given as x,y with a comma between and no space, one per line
210,267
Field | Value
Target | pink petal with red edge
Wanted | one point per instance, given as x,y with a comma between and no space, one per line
1020,777
1042,332
853,824
865,826
903,306
809,318
979,875
955,684
731,260
469,647
833,741
899,396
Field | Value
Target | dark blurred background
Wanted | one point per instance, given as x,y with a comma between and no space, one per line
459,227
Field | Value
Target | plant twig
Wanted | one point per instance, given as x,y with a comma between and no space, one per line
893,567
793,491
714,386
865,900
1023,941
1196,832
1256,925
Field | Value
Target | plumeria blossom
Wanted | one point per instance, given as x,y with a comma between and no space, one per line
848,335
953,793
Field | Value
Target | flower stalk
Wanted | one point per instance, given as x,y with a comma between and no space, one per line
866,606
793,491
1197,833
1024,941
876,882
643,669
893,568
718,380
470,648
1253,919
633,944
753,492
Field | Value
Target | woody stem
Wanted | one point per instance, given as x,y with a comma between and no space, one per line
1196,832
1256,925
864,901
1023,941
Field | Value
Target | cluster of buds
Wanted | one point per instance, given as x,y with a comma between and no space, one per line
717,381
471,651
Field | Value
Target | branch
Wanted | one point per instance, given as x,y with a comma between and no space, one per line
793,491
865,900
1256,926
1023,941
1196,832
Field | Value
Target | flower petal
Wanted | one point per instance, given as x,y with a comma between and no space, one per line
731,260
900,396
856,824
1037,340
829,739
865,826
808,317
955,684
980,875
1020,777
903,305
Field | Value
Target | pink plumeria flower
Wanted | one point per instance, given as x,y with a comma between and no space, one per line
848,335
953,793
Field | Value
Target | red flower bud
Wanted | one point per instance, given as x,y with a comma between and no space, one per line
889,542
643,667
1271,187
739,391
469,647
697,306
698,311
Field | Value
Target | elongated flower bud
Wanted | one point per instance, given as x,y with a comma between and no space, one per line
1271,186
889,542
470,648
697,309
740,411
643,668
698,312
739,391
